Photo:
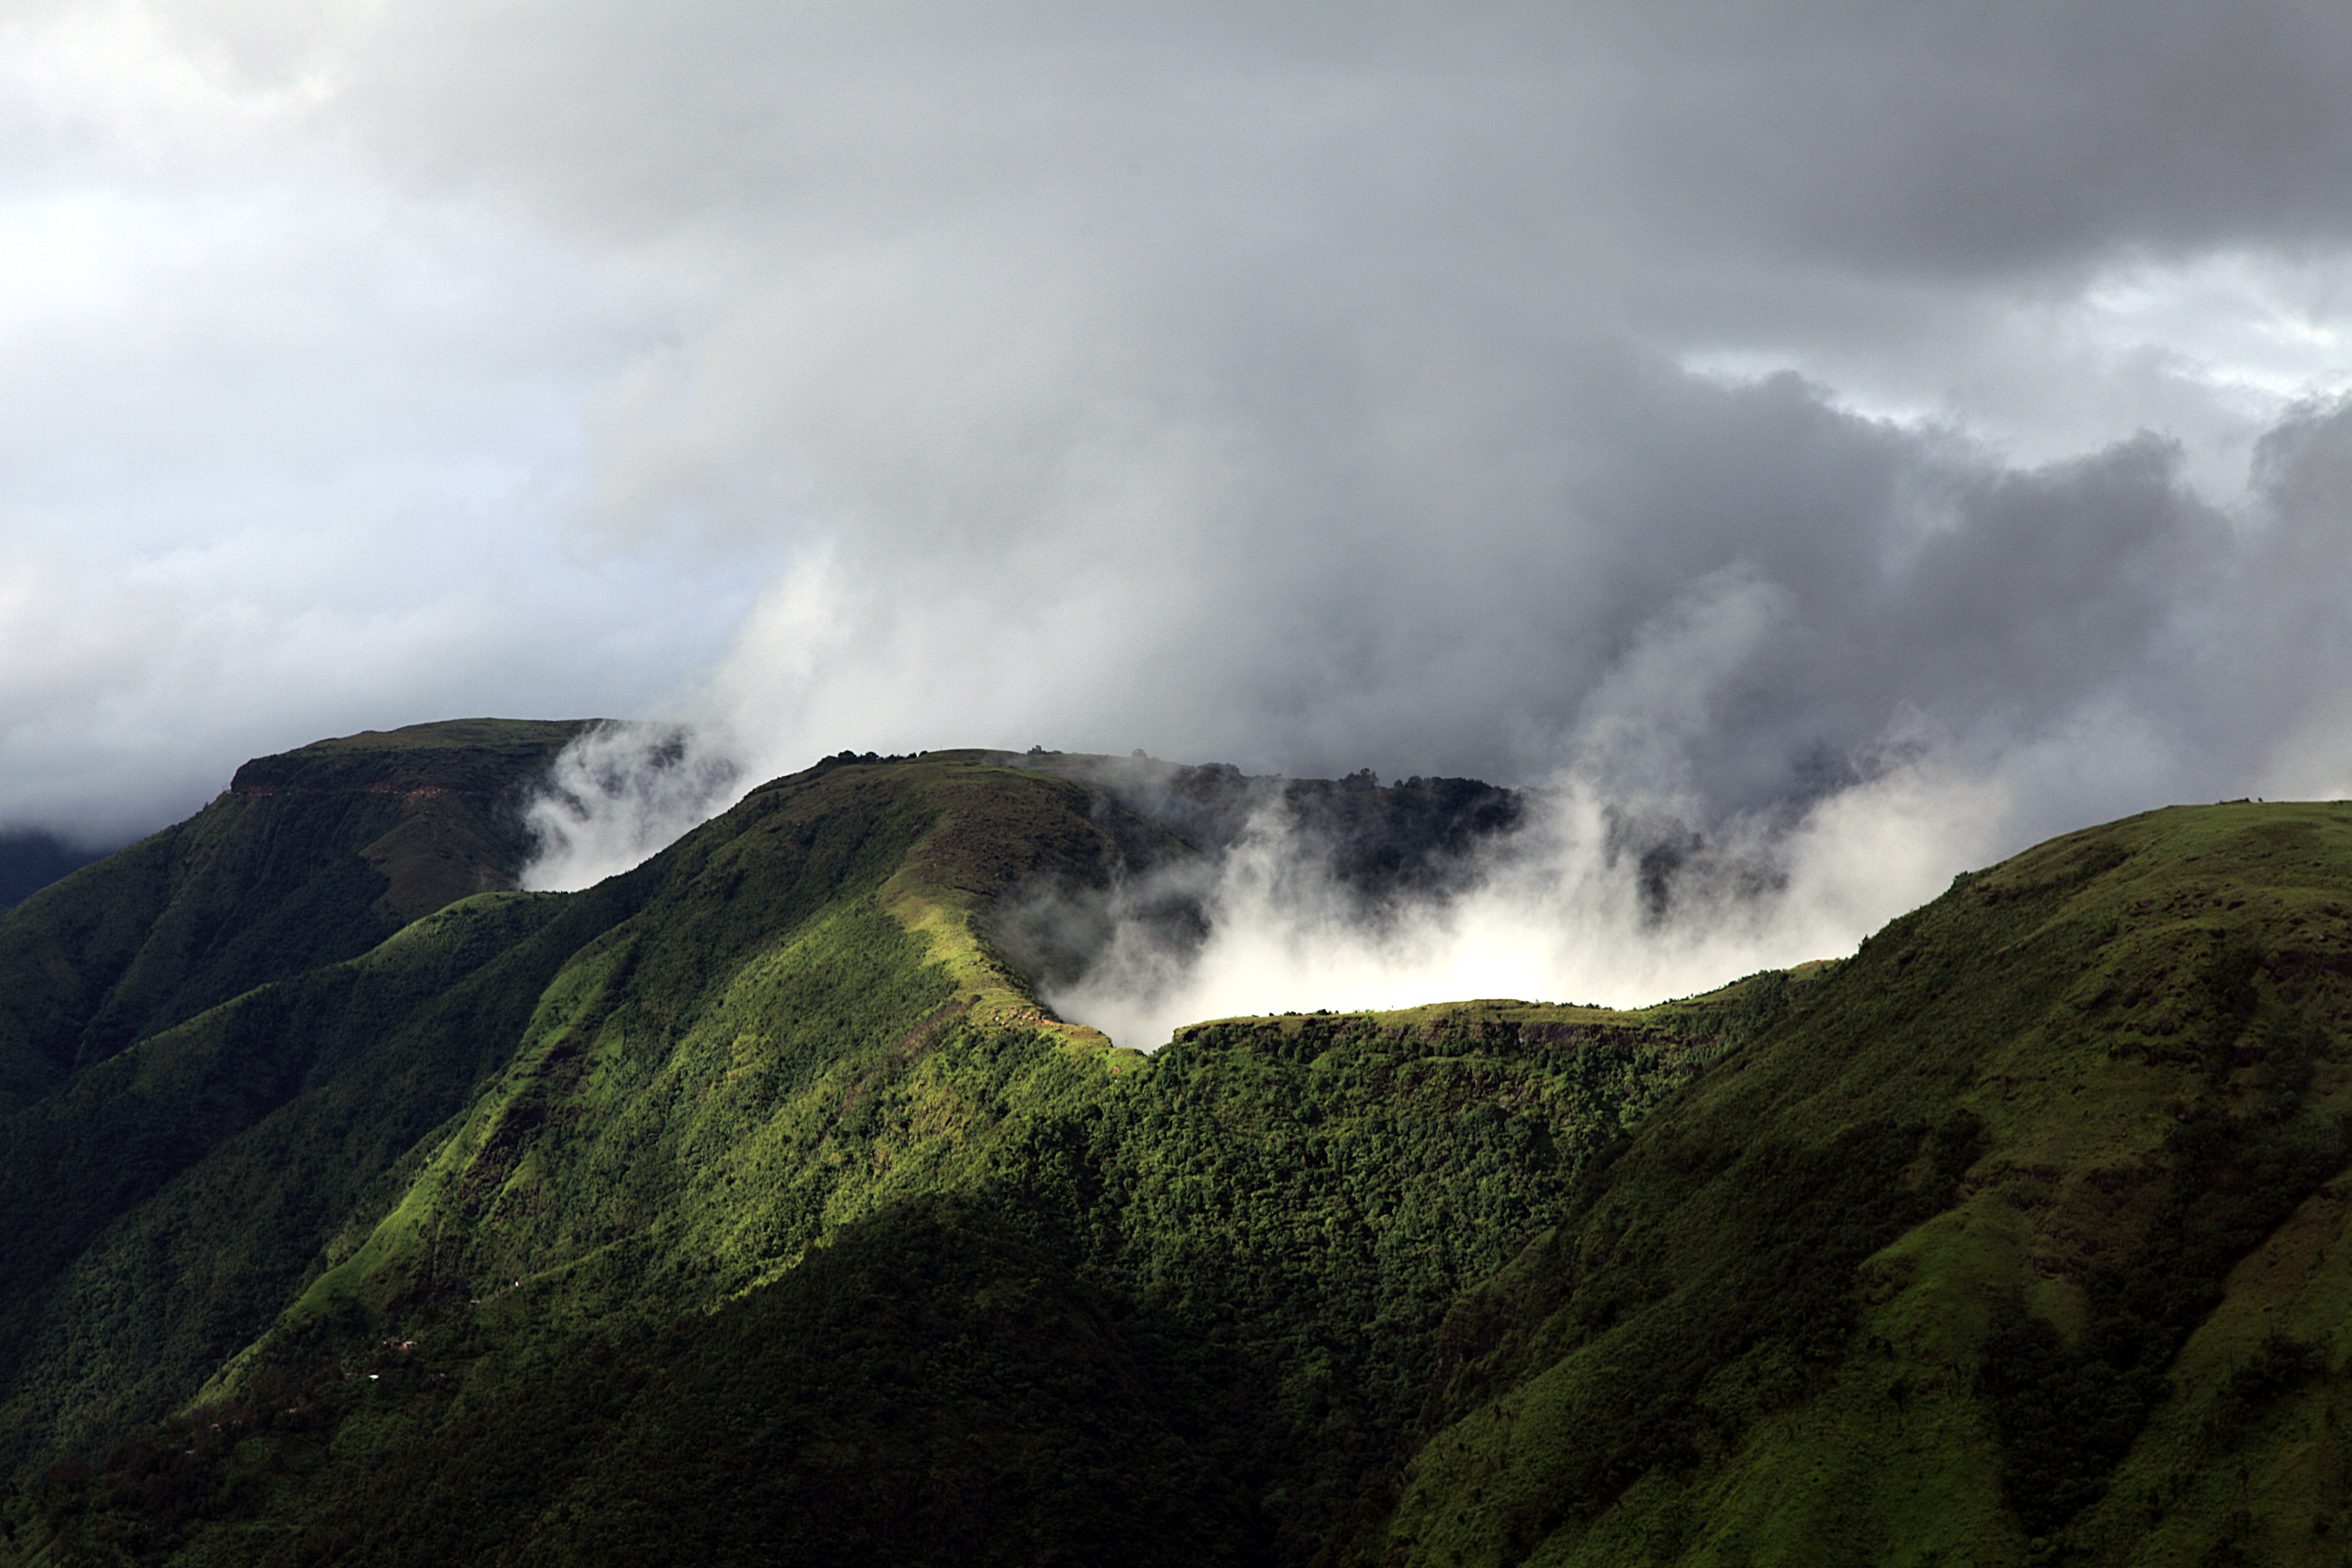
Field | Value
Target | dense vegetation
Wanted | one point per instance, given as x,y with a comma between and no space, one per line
161,1202
301,864
750,1207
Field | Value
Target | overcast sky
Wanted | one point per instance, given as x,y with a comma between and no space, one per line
1730,403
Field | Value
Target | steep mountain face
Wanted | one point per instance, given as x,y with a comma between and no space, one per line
205,1070
169,1197
750,1207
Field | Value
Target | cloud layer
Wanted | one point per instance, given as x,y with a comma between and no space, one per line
1879,435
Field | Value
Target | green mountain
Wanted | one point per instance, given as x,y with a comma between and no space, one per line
311,857
204,994
2019,1239
752,1207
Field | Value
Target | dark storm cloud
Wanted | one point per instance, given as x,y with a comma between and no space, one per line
1938,138
1743,584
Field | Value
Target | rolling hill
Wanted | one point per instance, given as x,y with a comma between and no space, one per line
752,1207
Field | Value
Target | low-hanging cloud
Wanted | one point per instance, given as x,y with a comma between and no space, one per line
1575,905
1951,658
616,795
1859,653
1739,594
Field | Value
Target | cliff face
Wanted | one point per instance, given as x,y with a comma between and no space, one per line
311,857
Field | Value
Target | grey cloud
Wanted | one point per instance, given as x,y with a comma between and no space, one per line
1961,139
1306,387
1938,140
1451,605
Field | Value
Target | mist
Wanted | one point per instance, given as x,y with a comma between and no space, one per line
616,795
1578,905
1838,659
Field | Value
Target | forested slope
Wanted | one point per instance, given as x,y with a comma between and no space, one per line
209,1072
308,857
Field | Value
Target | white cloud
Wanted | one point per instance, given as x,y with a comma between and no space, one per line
1559,915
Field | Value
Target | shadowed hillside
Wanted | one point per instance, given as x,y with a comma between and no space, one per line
207,1137
31,860
309,858
788,1038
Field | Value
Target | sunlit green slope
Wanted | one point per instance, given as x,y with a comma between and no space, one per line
166,1200
2020,1238
750,1207
1177,1314
783,1187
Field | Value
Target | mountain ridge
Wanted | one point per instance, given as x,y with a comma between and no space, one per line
2068,1302
759,1176
254,888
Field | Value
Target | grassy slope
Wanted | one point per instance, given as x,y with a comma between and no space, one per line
1174,1314
2016,1238
799,1048
1973,1258
805,948
162,1205
809,947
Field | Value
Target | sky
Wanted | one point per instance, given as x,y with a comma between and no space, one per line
1728,406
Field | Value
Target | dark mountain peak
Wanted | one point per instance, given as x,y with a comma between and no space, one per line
312,857
475,755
